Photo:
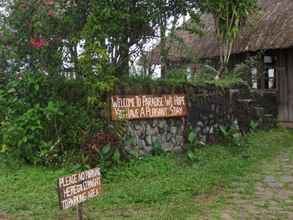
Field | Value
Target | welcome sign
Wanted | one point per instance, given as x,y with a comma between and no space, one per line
148,106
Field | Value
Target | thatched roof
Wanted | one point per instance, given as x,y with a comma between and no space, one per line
271,28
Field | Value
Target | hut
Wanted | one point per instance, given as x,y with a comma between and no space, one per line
269,33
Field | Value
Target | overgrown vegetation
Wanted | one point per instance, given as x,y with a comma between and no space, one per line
166,186
43,119
61,60
229,17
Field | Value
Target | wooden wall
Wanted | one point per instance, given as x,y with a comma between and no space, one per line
285,71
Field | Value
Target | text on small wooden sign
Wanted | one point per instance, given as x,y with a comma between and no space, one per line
148,106
78,188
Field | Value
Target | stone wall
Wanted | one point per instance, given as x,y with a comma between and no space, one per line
209,108
168,133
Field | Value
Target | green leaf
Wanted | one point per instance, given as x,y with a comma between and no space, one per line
106,150
192,137
190,155
12,90
116,157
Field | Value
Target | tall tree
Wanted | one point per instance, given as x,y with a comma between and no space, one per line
125,24
229,17
169,13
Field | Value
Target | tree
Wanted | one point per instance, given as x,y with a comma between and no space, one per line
78,38
229,17
127,24
118,25
169,12
43,35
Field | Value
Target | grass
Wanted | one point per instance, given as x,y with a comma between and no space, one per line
161,187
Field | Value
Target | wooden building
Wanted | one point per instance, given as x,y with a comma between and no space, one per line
269,33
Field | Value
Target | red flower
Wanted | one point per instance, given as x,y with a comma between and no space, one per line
50,13
38,43
49,2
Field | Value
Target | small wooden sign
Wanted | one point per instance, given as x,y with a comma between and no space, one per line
148,106
76,189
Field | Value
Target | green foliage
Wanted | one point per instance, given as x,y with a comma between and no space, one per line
114,155
25,135
253,126
153,185
177,76
236,76
157,149
232,136
192,146
42,35
42,119
229,17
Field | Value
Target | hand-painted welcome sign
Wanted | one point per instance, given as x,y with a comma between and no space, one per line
148,106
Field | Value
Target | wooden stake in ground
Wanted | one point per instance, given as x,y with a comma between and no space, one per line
79,212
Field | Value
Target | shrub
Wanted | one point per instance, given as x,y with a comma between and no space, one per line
42,118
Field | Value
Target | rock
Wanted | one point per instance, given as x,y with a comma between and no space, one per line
155,131
206,130
136,140
137,126
287,179
200,124
271,182
162,124
205,118
168,147
212,130
140,132
148,140
198,130
164,139
269,179
169,136
213,107
141,144
203,138
177,148
179,140
148,130
147,150
173,130
155,139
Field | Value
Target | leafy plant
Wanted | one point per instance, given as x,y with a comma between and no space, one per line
228,16
231,135
157,148
253,126
193,144
42,119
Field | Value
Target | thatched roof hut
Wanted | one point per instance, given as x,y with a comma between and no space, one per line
270,28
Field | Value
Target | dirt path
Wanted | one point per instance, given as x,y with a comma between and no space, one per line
267,195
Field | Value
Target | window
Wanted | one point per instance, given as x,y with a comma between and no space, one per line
269,73
254,78
265,77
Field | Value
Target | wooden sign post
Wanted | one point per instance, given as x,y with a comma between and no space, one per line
76,189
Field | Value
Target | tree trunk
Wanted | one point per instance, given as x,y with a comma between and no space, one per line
163,48
123,67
